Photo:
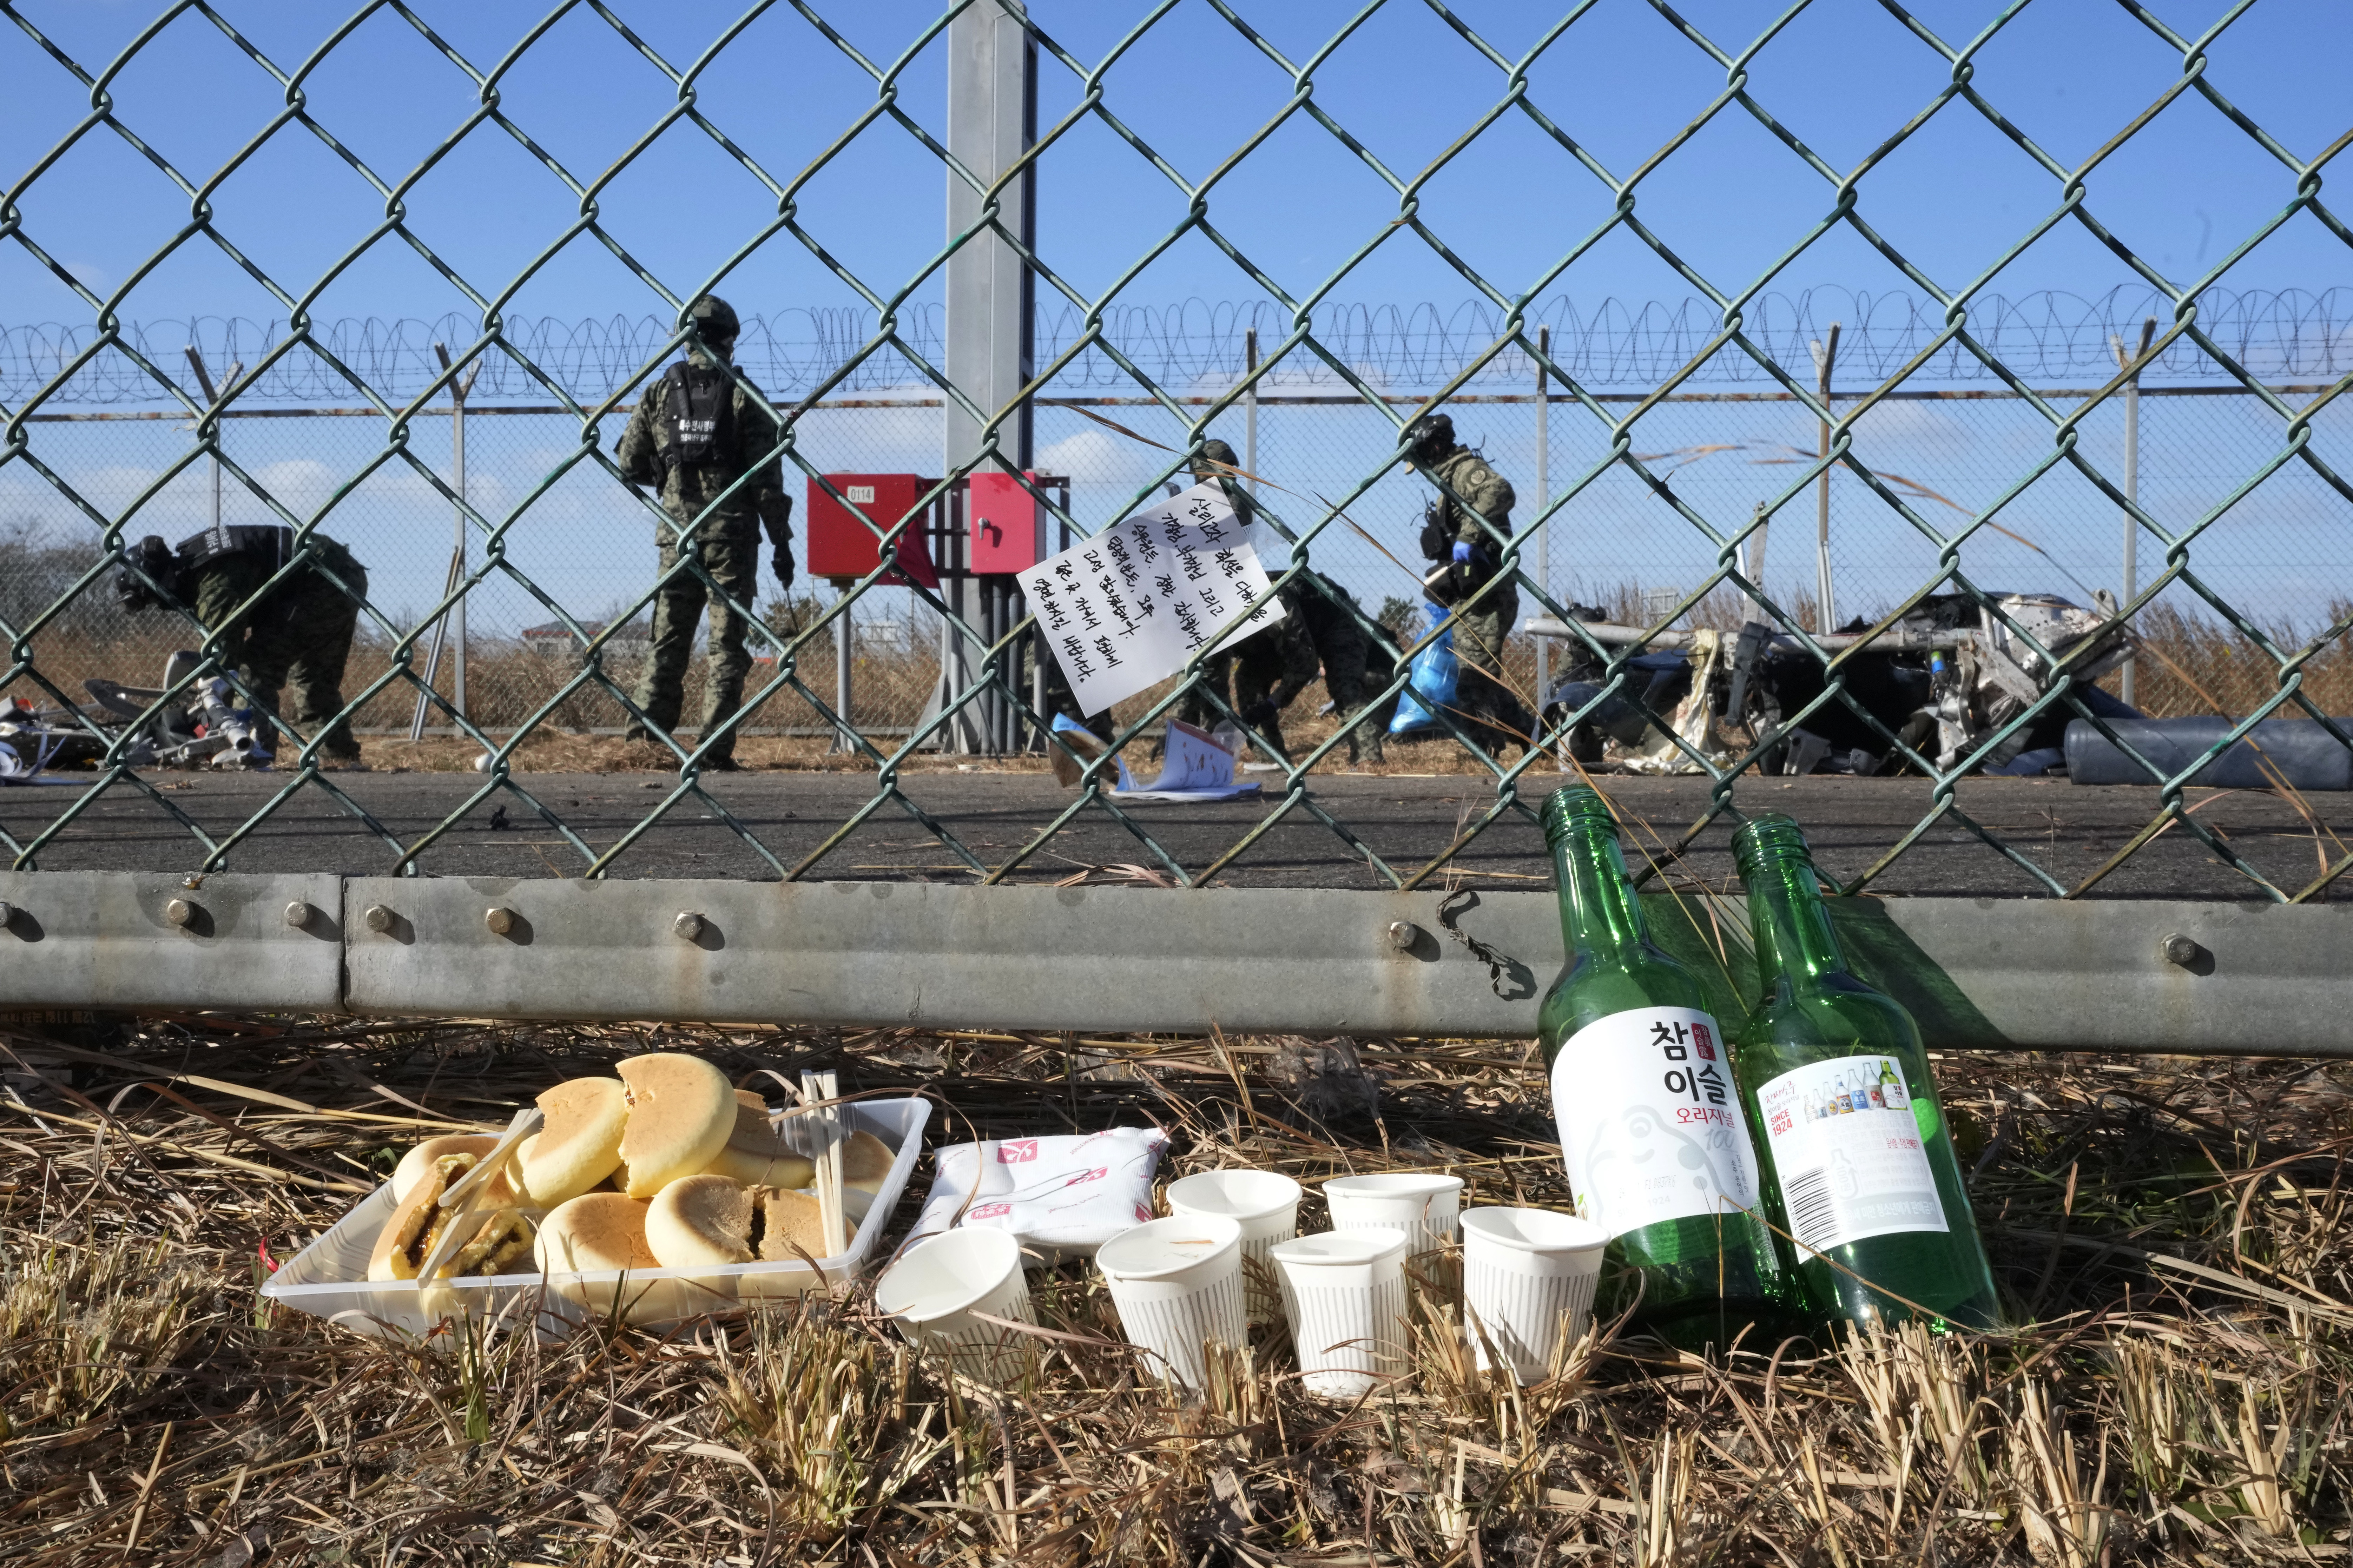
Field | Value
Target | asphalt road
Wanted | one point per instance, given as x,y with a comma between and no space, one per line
1404,820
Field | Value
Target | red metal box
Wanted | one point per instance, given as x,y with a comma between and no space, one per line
1005,523
836,544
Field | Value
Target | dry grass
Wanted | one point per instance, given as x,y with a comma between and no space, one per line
2196,665
2176,1231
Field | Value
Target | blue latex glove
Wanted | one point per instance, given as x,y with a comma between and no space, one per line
1461,552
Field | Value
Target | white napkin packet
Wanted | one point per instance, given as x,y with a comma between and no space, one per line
1059,1196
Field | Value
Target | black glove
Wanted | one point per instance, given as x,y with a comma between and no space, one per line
1261,714
154,558
783,567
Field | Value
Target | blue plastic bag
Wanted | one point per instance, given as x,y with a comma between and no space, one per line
1432,684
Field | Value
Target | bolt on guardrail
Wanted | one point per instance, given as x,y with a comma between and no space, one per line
1988,674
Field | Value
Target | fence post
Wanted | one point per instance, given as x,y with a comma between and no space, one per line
1543,499
2132,482
1825,605
205,380
992,121
454,623
1250,400
845,739
458,550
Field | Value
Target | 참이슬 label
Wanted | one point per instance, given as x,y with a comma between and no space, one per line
1849,1152
1649,1120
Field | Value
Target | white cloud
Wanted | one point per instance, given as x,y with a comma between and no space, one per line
1099,457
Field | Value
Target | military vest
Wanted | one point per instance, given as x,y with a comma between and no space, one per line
699,409
272,540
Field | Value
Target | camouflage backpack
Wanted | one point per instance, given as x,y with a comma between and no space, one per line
699,406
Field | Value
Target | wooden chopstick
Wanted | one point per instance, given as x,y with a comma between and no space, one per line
526,1122
817,1089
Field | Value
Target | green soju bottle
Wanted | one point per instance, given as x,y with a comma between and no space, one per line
1651,1127
1869,1185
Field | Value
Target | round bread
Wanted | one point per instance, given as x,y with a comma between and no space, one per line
681,1112
791,1221
865,1162
703,1221
579,1143
500,1239
790,1226
412,1167
756,1153
597,1230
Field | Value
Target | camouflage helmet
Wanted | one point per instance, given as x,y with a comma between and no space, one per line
1428,438
1215,459
714,318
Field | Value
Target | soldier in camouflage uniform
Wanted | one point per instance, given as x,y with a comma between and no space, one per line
300,638
1328,611
1215,461
1469,559
1269,669
699,430
1264,672
1272,668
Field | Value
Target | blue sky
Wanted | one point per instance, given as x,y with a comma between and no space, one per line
1843,76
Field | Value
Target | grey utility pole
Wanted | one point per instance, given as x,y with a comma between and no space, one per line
1249,401
1826,605
452,627
992,121
2132,481
1543,499
205,380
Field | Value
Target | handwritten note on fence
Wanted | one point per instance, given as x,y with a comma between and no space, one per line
1124,609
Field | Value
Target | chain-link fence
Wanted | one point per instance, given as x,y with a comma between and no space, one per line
588,544
1684,471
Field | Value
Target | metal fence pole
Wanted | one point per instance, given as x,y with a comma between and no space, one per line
459,552
847,740
1543,499
992,123
205,380
1249,401
2132,482
453,624
1826,606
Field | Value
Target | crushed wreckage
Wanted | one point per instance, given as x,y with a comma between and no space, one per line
197,728
1941,679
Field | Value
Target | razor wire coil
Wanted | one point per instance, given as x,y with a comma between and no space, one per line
2046,339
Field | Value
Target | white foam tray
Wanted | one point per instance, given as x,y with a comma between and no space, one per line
329,1278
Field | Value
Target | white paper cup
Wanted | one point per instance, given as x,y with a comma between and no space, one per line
1423,1207
1528,1281
1265,1204
937,1287
1177,1283
1344,1291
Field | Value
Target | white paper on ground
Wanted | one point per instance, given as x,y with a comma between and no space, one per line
1124,609
1059,1195
1193,767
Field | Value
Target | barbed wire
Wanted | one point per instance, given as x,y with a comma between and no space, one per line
2047,338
